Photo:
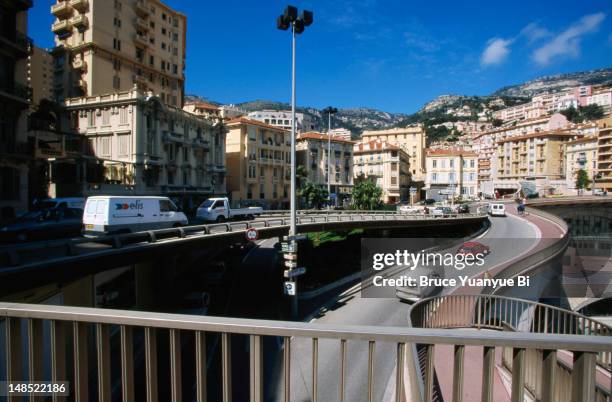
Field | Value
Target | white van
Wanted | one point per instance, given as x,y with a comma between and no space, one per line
497,210
116,214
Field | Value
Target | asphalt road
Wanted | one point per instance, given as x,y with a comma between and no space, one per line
356,310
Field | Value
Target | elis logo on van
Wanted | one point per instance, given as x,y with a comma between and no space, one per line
125,206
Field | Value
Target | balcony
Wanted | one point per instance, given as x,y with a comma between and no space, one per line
141,24
141,40
63,27
200,144
79,64
16,92
172,137
16,150
80,5
80,21
141,8
18,42
61,9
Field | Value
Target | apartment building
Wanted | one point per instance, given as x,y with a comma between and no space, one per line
137,145
105,46
536,157
341,132
15,151
411,139
312,153
258,164
604,156
580,154
602,98
387,165
40,75
451,172
282,119
215,112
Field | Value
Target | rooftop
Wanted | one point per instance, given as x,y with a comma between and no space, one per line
313,135
252,122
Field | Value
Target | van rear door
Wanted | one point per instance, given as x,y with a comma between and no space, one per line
95,216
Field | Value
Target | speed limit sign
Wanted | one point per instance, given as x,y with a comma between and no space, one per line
251,234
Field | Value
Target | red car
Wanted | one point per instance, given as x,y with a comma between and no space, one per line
473,248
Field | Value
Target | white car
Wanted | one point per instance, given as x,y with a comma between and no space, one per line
408,209
115,214
497,210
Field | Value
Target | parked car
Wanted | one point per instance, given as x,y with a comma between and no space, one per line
409,209
463,208
50,203
218,209
442,211
114,214
497,210
428,201
600,192
473,248
44,224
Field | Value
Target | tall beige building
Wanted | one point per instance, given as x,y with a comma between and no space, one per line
40,75
15,151
106,46
312,153
604,155
580,154
387,165
411,139
258,163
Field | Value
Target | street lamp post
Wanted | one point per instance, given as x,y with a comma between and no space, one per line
290,18
329,110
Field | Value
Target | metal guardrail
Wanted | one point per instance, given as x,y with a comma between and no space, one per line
77,322
13,256
520,316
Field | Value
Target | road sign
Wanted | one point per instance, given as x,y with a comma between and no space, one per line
252,234
413,190
290,264
291,256
289,288
295,238
289,247
290,273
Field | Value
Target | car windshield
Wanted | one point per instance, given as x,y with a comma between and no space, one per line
206,204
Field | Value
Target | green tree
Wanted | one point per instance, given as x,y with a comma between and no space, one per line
497,122
314,195
582,179
366,194
301,175
591,112
572,114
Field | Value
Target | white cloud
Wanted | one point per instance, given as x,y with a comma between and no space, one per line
534,32
567,43
496,51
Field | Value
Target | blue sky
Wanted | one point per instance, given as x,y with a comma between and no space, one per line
390,55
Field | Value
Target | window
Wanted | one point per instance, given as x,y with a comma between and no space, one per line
394,180
164,45
434,177
164,16
123,142
116,82
152,60
104,147
434,163
117,64
152,24
175,69
166,206
106,117
117,22
117,5
452,163
123,115
91,118
262,193
116,44
163,31
163,65
9,183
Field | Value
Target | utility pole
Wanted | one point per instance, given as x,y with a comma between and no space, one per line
290,18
